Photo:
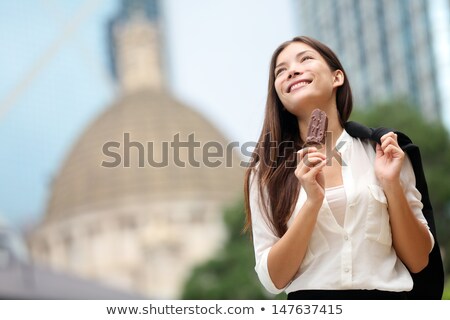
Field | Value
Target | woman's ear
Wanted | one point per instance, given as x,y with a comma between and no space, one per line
338,78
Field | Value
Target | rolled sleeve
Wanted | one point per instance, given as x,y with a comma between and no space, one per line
263,238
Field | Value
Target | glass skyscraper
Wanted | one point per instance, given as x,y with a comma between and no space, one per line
387,47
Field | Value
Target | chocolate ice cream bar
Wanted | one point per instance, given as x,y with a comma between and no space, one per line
317,128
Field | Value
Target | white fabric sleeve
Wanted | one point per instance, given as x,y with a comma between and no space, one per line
263,237
408,181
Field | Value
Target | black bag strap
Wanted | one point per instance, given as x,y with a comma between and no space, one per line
429,283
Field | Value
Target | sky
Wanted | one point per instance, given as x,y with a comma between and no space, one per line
55,78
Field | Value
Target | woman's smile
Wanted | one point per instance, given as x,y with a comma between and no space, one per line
296,85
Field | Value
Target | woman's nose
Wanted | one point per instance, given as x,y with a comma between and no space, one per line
293,73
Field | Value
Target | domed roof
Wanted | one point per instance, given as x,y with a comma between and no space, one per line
148,117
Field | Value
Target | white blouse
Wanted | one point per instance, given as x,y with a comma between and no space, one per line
354,254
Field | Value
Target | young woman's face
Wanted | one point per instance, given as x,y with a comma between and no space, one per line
304,81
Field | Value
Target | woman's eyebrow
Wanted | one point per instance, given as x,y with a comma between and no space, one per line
298,55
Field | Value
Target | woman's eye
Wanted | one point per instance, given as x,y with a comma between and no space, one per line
306,58
279,71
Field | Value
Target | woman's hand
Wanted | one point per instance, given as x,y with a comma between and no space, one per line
389,160
310,163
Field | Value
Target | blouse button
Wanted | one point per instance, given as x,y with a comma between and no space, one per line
346,237
346,270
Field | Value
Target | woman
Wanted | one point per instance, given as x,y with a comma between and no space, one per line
346,226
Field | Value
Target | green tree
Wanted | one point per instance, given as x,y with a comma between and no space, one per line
434,143
231,274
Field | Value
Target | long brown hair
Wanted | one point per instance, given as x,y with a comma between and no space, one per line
274,155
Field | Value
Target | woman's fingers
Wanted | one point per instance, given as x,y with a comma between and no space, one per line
316,169
309,157
387,139
307,164
387,135
314,176
394,151
302,152
389,142
390,146
310,162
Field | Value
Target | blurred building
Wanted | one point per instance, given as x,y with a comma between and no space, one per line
388,48
21,279
138,225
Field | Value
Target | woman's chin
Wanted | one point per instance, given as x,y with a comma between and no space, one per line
303,107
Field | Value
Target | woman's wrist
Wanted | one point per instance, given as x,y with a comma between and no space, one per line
391,185
313,204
